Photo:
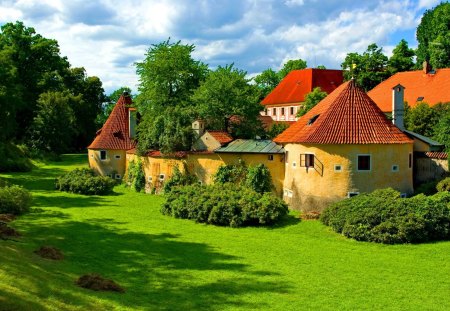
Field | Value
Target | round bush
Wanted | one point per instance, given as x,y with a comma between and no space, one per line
224,205
443,185
84,181
14,200
384,217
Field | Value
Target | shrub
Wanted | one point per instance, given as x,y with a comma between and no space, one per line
14,159
14,200
179,179
443,185
231,173
383,217
259,179
135,175
427,188
224,205
84,181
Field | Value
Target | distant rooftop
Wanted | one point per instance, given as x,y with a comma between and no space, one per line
251,146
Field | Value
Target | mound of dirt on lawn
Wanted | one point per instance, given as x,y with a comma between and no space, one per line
50,252
6,231
7,217
98,283
310,216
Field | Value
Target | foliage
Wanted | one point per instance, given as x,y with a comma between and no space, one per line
421,119
14,159
14,200
426,188
293,64
402,58
443,185
231,173
383,217
168,77
266,81
224,205
368,69
433,36
311,99
441,128
52,127
84,181
258,178
276,129
179,178
135,177
226,93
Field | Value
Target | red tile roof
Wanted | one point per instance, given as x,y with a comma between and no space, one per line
114,134
298,83
437,155
346,116
221,136
434,88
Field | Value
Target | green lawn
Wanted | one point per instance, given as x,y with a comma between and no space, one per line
173,264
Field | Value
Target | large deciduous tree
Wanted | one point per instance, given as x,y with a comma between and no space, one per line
402,58
226,93
266,82
433,35
168,77
368,69
311,99
293,64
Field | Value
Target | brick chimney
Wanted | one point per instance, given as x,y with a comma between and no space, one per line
398,106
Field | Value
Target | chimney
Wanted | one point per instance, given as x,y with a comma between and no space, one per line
398,106
426,67
199,127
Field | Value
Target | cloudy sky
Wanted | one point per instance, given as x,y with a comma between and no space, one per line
108,36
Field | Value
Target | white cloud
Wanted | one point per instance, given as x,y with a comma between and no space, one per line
292,3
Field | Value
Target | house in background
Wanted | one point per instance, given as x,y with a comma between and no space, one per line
343,146
107,153
283,102
429,86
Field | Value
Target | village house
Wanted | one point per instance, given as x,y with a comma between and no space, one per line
283,102
345,145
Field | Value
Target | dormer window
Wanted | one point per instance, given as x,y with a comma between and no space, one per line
313,119
420,98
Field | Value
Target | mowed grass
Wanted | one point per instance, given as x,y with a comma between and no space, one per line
174,264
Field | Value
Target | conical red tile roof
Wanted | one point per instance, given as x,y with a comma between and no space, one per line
114,134
346,116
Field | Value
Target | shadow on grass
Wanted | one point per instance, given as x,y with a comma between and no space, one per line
159,271
65,201
286,221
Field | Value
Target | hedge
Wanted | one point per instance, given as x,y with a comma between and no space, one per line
84,181
14,200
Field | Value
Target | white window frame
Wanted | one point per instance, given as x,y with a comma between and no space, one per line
100,155
352,194
336,168
162,177
357,162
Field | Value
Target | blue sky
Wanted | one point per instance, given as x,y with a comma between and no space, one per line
108,36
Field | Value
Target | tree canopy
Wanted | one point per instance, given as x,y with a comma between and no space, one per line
311,99
433,35
402,58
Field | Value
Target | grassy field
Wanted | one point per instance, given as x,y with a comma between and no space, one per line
173,264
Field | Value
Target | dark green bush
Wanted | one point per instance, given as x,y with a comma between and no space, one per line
224,205
135,175
383,217
427,188
84,181
443,185
179,178
14,200
14,159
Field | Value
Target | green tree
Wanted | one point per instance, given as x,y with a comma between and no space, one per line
109,104
226,92
52,127
311,99
9,102
168,77
441,130
266,82
276,129
402,58
421,119
368,69
433,35
293,64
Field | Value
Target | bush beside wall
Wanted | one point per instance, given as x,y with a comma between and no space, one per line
84,181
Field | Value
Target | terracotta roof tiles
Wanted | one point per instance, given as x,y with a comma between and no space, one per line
431,88
114,135
346,116
221,136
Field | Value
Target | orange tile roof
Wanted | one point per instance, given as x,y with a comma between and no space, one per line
346,116
434,88
298,83
221,136
114,134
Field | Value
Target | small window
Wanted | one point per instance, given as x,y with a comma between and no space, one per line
162,176
395,168
294,164
292,111
352,194
270,157
410,160
364,162
338,168
285,192
282,111
309,160
117,156
150,178
313,119
92,156
102,155
420,98
118,176
286,154
290,194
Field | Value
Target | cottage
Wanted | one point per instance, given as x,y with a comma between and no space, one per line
283,102
343,146
107,153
